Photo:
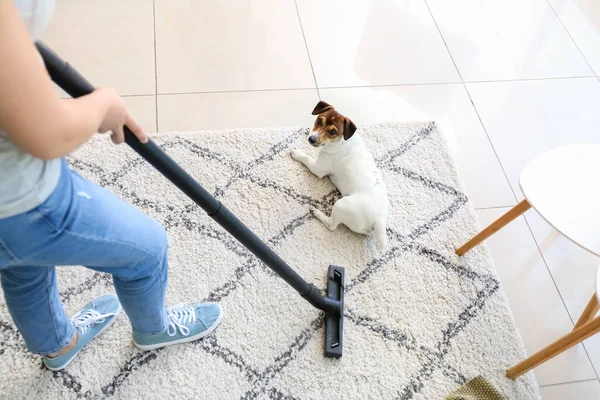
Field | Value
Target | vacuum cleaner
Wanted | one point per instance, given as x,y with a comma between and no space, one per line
332,304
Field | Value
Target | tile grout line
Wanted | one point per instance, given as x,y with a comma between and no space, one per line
569,383
312,68
572,39
508,180
553,78
471,99
236,91
392,85
493,207
155,65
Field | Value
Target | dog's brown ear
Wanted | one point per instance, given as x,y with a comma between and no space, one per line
349,128
321,108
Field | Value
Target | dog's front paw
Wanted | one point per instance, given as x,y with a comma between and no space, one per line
297,154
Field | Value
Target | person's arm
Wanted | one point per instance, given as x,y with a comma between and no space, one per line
31,113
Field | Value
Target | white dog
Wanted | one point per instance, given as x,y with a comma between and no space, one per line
344,158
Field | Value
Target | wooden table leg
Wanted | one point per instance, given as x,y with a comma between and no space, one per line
590,312
498,224
562,344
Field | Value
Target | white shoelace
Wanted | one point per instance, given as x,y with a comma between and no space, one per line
83,321
180,316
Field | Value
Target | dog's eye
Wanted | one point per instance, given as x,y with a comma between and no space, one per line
321,121
332,132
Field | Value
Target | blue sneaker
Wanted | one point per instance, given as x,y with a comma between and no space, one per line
185,325
89,322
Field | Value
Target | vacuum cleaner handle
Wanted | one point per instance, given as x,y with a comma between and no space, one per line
70,80
73,83
76,85
333,303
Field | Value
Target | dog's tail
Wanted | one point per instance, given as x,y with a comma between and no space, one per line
380,234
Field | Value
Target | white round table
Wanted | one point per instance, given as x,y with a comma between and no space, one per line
563,186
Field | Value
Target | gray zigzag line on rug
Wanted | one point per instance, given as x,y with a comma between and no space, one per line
252,262
454,374
9,333
425,181
275,394
131,365
211,345
267,156
393,335
106,178
435,361
71,383
285,358
210,232
461,270
207,153
88,284
439,218
110,178
389,157
169,144
405,240
300,198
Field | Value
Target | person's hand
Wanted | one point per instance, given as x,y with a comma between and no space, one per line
117,116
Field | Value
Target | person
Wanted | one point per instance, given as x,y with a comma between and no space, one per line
51,216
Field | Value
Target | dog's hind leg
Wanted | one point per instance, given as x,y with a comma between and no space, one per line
341,213
330,222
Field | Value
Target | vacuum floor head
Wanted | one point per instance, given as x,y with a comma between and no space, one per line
334,322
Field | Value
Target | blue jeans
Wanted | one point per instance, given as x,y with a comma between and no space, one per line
81,224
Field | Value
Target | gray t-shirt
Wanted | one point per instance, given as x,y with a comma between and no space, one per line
26,181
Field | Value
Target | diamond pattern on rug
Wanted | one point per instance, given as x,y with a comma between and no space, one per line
417,321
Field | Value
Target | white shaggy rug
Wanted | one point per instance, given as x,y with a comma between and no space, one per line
419,320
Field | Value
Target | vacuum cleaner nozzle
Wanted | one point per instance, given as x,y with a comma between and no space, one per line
334,322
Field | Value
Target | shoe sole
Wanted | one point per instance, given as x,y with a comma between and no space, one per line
112,321
184,340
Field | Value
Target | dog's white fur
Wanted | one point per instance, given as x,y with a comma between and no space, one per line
351,168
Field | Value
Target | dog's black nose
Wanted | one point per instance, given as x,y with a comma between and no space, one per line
312,139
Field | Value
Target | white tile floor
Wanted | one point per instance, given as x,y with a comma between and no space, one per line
505,79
